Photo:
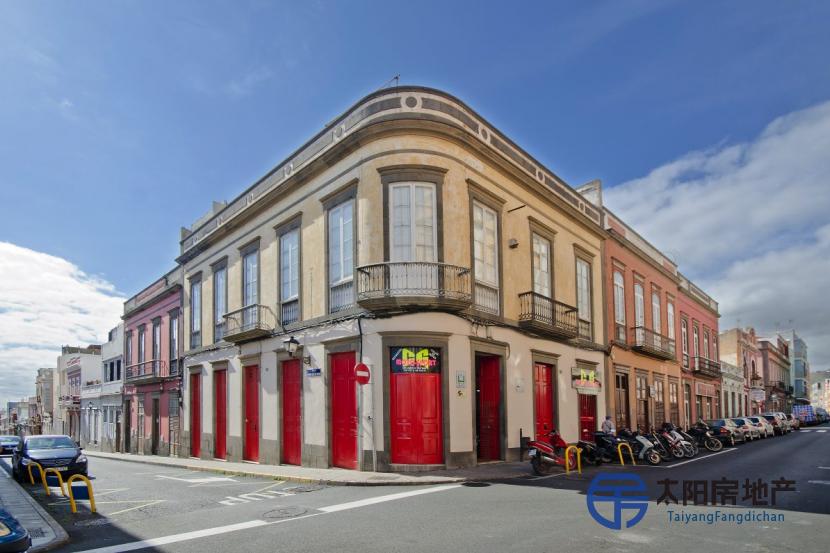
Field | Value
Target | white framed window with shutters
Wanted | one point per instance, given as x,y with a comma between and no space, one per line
670,319
413,228
583,297
250,287
542,277
341,255
619,306
639,305
656,319
220,301
486,257
290,276
195,313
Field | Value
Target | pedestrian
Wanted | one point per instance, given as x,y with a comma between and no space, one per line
608,425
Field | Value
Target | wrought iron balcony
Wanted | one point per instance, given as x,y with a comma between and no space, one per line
707,367
541,314
249,323
586,330
399,286
148,370
647,341
620,333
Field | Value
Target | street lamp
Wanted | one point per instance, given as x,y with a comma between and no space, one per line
291,346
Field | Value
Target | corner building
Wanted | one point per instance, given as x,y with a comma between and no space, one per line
413,236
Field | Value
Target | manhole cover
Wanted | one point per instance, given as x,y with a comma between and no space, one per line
284,512
37,533
304,489
475,484
94,522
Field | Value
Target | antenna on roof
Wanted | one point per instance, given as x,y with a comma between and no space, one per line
396,79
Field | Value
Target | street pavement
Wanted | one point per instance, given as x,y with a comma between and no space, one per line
150,508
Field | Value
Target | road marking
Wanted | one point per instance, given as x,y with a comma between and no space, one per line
825,468
136,507
186,536
534,478
385,498
198,480
821,431
230,500
824,482
698,459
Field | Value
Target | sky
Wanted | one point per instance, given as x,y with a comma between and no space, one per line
120,121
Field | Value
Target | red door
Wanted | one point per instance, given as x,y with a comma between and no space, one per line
251,452
587,417
343,411
195,415
415,413
488,413
543,385
291,414
220,401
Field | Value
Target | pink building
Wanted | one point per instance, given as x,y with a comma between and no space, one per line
152,378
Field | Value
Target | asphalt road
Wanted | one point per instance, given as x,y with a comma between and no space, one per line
202,512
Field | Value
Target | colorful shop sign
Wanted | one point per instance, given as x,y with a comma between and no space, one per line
415,359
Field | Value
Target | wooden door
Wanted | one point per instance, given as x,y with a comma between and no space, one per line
543,396
251,446
343,410
488,412
292,412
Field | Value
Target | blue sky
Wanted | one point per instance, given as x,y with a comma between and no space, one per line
121,121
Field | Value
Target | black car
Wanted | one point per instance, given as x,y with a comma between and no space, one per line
58,452
8,444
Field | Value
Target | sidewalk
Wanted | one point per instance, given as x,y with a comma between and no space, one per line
332,477
45,532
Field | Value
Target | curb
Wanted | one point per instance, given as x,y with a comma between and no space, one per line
61,537
297,479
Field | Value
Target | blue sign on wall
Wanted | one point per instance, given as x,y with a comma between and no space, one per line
314,371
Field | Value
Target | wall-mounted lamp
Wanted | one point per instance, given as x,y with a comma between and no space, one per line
291,346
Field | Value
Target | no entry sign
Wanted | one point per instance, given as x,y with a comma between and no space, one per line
361,374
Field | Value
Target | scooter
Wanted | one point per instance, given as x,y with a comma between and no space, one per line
663,448
705,438
641,446
606,446
590,452
679,447
544,456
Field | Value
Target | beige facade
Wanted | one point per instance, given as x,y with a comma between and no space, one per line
462,301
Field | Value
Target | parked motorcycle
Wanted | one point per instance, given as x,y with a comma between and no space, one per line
704,437
590,452
663,447
677,442
641,446
545,455
606,445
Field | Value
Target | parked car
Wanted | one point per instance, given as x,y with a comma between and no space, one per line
795,423
821,415
8,444
767,430
751,431
726,431
785,420
777,423
55,451
14,538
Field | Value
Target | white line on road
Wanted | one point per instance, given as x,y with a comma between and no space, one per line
198,480
824,482
384,498
128,509
186,536
821,431
698,459
825,468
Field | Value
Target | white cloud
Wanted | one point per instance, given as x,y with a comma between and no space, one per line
749,222
46,302
245,84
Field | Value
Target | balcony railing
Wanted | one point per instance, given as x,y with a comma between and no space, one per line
486,298
707,367
154,368
341,296
290,312
620,333
249,323
541,314
586,330
651,343
415,284
219,331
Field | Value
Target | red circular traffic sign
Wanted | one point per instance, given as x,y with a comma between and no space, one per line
361,373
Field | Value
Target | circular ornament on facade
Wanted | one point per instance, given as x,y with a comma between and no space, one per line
484,133
411,102
339,131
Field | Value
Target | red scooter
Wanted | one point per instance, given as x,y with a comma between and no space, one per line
546,455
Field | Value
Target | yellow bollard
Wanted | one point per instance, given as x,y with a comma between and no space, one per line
42,475
60,479
88,489
630,452
578,458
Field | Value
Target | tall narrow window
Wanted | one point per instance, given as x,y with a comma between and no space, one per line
195,313
695,342
141,333
684,341
486,258
706,344
156,345
619,306
250,288
659,402
220,299
412,223
639,314
674,415
656,322
670,319
542,282
341,256
174,337
290,276
583,297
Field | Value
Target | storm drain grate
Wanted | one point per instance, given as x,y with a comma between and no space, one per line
304,489
37,533
475,484
94,522
284,512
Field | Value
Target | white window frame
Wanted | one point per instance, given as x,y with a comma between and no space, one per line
335,215
656,316
583,289
413,230
541,259
480,211
250,278
639,305
290,265
220,294
619,298
670,319
696,338
196,306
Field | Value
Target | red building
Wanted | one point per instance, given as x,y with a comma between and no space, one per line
698,352
152,379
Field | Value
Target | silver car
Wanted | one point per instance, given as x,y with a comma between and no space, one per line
766,429
750,429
